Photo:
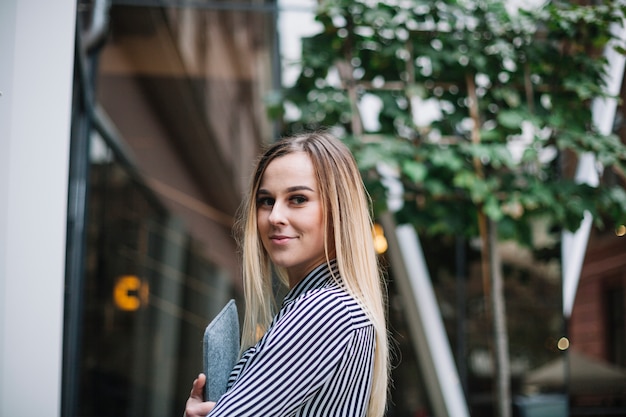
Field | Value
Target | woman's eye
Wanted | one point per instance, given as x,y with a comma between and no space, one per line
265,201
299,199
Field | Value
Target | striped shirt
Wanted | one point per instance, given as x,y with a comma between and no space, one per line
316,358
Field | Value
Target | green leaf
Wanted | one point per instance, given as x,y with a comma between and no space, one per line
416,171
492,209
511,119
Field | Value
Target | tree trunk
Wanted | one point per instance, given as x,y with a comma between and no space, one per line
492,278
500,336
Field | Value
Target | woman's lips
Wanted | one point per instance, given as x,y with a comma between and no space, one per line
280,240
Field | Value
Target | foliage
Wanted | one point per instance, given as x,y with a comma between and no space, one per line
482,108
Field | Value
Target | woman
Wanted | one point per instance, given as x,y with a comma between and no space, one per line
325,353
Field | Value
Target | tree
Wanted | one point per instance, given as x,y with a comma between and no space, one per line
482,111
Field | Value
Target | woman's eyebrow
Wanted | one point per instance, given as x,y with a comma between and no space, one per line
299,188
263,191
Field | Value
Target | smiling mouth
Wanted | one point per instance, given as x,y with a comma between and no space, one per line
280,239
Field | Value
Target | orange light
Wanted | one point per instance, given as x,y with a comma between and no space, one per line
130,293
563,343
621,230
380,241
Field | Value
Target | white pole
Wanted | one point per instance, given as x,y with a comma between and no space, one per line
36,55
424,320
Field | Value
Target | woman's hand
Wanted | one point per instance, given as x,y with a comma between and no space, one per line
195,406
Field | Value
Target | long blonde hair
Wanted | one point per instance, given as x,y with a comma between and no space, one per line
347,213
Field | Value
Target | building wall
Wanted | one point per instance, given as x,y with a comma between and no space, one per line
36,50
604,268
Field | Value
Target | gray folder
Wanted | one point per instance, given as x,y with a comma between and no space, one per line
220,350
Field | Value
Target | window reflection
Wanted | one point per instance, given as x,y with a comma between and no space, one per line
136,361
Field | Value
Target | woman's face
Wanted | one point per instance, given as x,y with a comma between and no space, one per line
289,215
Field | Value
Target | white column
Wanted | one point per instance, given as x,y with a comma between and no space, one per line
426,327
36,63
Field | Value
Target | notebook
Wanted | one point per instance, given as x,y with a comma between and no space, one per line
220,350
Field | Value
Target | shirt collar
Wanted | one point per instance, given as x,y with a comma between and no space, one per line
314,279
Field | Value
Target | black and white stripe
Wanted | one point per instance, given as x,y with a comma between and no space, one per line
316,359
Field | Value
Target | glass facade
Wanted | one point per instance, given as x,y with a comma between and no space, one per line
168,116
148,294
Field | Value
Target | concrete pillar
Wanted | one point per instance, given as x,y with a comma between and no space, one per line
36,64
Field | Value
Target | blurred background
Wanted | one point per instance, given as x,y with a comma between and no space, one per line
128,132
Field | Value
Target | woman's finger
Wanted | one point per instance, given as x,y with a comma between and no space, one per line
198,387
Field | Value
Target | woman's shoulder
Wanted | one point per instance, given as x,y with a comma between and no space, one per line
331,302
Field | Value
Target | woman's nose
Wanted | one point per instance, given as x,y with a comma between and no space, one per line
278,215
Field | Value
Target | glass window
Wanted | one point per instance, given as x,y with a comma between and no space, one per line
176,122
616,325
149,294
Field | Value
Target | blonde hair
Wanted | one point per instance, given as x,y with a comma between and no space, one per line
347,213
